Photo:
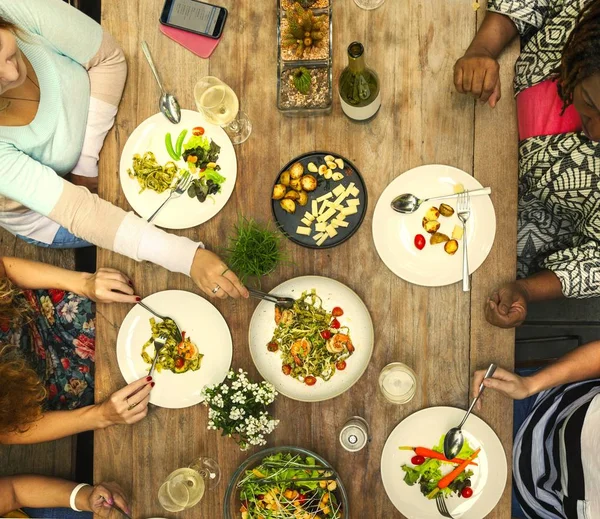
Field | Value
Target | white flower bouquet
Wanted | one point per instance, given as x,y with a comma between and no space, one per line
239,408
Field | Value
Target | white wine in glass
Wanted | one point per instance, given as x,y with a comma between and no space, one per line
220,105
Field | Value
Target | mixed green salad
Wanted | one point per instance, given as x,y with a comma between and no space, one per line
435,474
277,489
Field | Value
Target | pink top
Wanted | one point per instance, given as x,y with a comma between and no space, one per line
538,112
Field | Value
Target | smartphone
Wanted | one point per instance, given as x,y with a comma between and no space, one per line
194,16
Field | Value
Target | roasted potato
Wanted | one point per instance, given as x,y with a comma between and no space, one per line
308,182
284,178
451,247
432,213
297,170
292,195
302,197
289,206
279,191
431,226
446,210
458,188
295,184
438,237
457,232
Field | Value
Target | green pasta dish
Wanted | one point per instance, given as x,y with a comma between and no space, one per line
177,357
150,174
311,339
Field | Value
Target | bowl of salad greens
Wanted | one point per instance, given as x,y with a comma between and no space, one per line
285,483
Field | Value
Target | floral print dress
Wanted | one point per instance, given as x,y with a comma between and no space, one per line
59,344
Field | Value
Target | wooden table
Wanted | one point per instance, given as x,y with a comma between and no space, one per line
440,332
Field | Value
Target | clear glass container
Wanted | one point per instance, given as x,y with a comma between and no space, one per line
369,4
398,383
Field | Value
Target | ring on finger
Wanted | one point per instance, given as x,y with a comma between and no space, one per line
131,406
216,289
225,271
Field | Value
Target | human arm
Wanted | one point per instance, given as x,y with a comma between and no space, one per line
47,492
106,285
122,407
582,363
507,306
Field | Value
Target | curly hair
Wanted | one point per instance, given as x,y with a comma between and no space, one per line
14,309
21,392
581,53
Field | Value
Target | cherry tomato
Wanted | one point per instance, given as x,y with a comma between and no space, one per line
287,369
417,460
272,346
301,499
260,497
341,365
337,312
350,347
335,324
419,241
326,334
179,362
198,130
467,492
310,380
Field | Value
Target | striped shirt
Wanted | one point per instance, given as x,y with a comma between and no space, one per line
556,456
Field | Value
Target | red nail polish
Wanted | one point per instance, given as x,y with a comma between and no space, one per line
148,379
153,384
138,299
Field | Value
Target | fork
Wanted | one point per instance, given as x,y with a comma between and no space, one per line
440,501
165,318
284,302
159,344
182,186
464,211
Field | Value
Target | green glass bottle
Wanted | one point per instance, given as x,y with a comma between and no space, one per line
359,86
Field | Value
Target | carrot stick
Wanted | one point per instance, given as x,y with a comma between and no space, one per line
428,453
449,478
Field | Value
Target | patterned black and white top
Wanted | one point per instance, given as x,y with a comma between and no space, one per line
556,460
559,175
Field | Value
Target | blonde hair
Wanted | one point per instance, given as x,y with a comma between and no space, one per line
14,309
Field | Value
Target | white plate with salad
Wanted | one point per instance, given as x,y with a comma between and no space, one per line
406,247
158,152
413,466
184,367
318,349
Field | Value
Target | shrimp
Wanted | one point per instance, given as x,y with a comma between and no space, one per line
301,346
339,342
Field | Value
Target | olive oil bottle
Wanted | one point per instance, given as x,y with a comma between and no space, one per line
359,86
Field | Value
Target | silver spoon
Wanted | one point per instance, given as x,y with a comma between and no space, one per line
168,104
408,203
454,440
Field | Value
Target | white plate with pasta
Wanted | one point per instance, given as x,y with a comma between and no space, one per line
205,327
159,174
323,345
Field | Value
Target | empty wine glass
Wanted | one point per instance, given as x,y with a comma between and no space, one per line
369,4
220,105
184,487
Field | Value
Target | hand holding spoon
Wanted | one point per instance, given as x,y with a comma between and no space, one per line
454,439
409,203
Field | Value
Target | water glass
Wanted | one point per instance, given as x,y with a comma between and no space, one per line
398,383
369,4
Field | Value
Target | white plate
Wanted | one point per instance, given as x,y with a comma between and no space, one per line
203,324
183,212
356,317
424,429
394,233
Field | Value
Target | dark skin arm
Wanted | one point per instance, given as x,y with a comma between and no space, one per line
477,72
507,306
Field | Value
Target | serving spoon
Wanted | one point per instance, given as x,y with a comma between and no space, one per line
408,203
168,103
454,439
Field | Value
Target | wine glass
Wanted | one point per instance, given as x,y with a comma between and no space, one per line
369,4
184,487
220,105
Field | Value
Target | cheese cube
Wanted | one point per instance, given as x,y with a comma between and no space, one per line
340,223
320,227
306,222
326,196
326,215
338,190
340,217
340,198
350,187
347,211
353,201
309,216
303,230
317,237
323,207
331,231
322,239
314,208
354,191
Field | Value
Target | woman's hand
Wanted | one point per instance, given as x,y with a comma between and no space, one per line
104,495
478,73
507,307
209,272
108,286
512,385
129,405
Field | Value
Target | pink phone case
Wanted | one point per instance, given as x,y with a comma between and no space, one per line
202,46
